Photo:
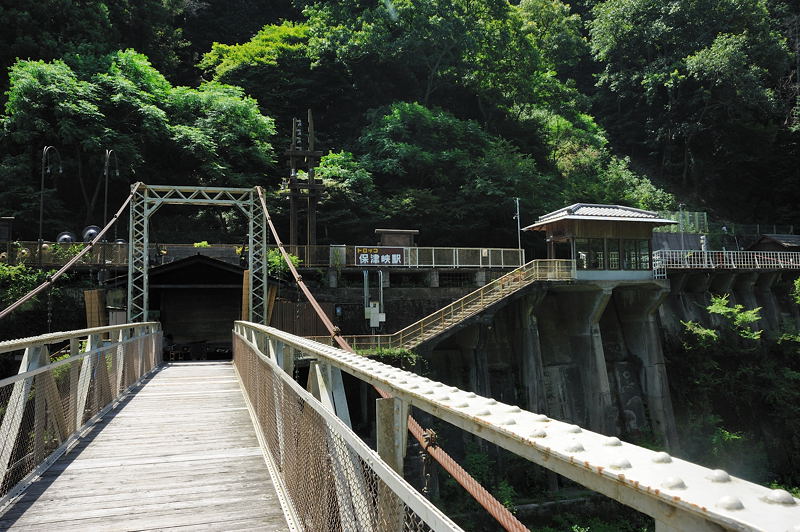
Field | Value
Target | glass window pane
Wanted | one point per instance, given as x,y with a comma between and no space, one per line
581,253
597,254
631,257
613,254
644,254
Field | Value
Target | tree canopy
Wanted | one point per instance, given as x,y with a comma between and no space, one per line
162,134
429,110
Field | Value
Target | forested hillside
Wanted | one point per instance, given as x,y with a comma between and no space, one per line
433,114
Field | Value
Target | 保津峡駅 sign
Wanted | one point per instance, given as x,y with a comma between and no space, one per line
379,256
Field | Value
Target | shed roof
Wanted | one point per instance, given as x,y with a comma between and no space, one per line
592,211
787,241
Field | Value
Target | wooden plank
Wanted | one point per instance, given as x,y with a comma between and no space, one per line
182,453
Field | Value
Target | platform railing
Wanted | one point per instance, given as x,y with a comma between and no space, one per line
696,259
416,257
679,495
329,479
109,254
66,381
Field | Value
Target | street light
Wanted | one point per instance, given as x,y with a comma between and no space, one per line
45,168
109,153
519,230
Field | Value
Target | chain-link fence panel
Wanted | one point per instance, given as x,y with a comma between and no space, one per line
49,401
332,480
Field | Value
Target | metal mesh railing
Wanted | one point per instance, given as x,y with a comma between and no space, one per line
332,480
678,494
688,222
741,260
50,400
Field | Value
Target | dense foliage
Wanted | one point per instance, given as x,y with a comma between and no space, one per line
436,114
733,388
702,93
32,318
160,134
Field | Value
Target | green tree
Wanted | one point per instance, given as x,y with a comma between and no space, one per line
555,31
434,170
349,207
275,68
82,32
693,86
212,135
467,55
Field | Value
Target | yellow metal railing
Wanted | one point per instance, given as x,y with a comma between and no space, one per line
469,305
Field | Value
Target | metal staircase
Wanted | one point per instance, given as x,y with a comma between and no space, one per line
479,300
466,307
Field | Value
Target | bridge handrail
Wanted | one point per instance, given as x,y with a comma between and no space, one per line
47,405
678,494
675,259
62,336
371,495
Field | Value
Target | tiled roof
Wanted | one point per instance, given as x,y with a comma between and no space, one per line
589,211
785,240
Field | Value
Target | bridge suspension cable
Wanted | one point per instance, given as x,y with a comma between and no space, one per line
52,278
495,508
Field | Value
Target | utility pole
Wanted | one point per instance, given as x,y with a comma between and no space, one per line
519,230
309,158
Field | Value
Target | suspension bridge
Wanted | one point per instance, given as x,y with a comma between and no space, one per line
98,432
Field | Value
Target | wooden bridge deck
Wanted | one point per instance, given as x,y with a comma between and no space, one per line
179,454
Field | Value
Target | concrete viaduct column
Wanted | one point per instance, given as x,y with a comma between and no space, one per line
531,352
765,298
577,317
637,309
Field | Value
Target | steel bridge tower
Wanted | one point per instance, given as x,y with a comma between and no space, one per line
147,199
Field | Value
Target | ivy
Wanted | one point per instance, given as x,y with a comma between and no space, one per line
740,319
276,264
17,280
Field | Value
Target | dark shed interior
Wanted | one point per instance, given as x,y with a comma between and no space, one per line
198,299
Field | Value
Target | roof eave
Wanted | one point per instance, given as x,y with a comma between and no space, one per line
656,221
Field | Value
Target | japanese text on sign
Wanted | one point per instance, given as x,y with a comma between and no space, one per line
379,256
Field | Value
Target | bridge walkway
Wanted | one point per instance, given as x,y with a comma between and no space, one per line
179,453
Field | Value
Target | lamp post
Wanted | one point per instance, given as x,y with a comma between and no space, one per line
45,168
109,153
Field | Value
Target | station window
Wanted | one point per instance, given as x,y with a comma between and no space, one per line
636,254
644,254
581,253
597,254
613,254
630,257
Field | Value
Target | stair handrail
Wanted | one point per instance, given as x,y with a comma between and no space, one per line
529,272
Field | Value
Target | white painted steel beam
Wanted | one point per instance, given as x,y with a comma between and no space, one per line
149,198
349,479
677,493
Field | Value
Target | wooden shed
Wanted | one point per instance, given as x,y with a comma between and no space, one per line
776,243
606,241
198,299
